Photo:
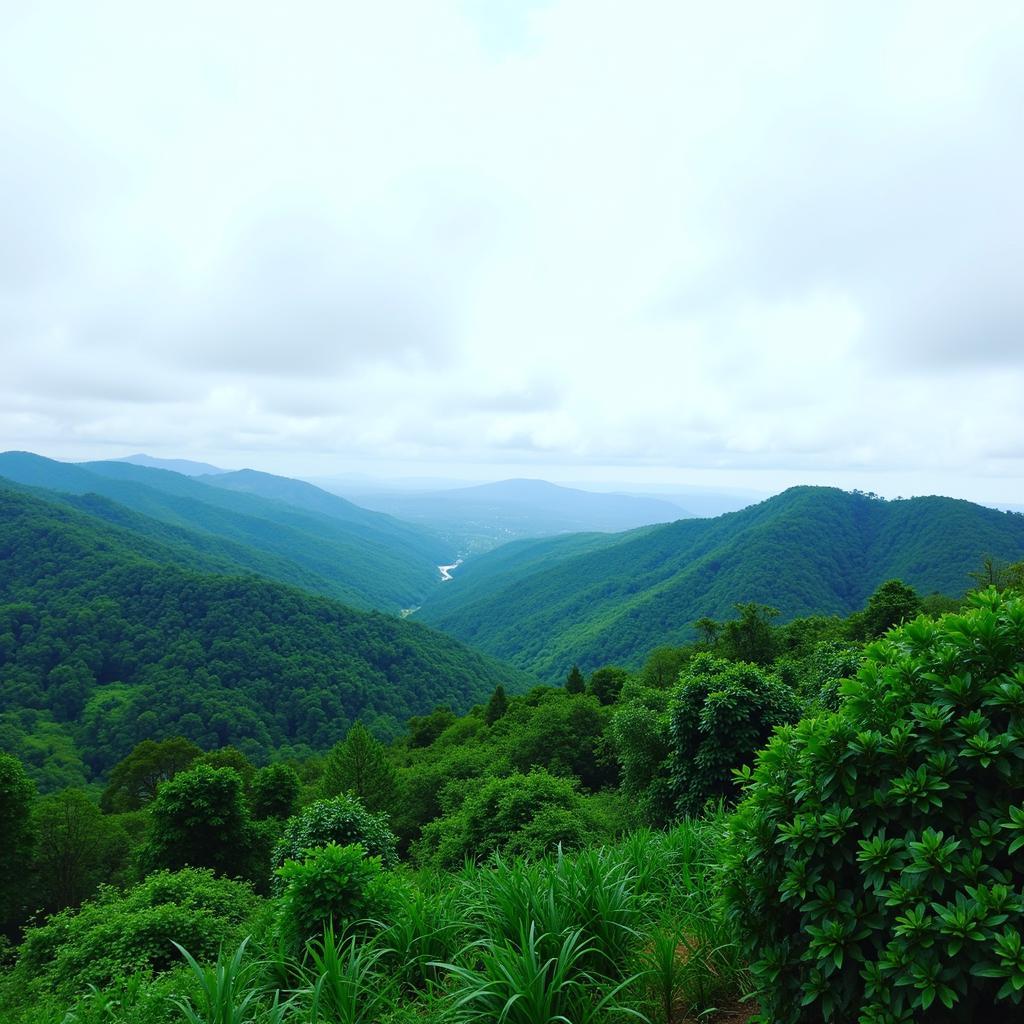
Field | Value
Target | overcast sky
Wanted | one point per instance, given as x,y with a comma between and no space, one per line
652,242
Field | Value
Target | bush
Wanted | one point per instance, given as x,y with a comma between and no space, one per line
877,861
722,713
333,885
343,821
520,815
118,933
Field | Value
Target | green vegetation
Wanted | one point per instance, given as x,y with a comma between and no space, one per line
282,529
105,648
878,862
214,814
809,551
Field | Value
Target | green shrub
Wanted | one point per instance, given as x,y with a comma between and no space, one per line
877,863
118,933
722,713
343,821
519,815
333,885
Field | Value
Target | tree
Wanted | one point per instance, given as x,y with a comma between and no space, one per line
496,706
229,757
574,683
274,791
606,683
891,604
707,631
134,781
751,636
77,847
721,715
360,765
16,793
663,665
200,820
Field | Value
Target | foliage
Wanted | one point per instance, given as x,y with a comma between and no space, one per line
274,791
117,933
878,856
333,885
148,649
343,821
642,742
891,604
77,848
360,765
807,551
721,715
606,683
200,820
574,682
515,815
16,792
497,705
134,780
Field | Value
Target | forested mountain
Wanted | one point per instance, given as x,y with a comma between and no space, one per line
807,550
478,518
103,643
286,530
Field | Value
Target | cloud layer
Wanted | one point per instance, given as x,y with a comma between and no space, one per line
775,241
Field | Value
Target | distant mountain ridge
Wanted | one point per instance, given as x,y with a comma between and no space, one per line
809,550
184,466
319,542
484,515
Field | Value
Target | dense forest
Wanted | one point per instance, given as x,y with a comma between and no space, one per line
229,800
105,642
569,852
565,601
283,529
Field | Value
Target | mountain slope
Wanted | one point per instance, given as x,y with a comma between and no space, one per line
808,550
184,466
367,560
101,635
480,517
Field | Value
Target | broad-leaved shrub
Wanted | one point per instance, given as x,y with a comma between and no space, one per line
877,863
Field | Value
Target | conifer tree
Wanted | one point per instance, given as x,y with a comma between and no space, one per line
360,765
496,706
575,682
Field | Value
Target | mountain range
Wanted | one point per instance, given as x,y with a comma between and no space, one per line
545,605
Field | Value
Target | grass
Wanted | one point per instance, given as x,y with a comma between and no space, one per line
632,931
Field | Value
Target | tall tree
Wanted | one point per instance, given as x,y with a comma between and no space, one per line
16,793
575,683
496,706
77,847
892,603
199,820
360,765
134,781
274,791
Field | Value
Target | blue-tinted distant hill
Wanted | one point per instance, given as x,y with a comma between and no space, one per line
549,604
480,517
184,466
363,558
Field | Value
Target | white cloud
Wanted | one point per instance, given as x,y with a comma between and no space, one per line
761,239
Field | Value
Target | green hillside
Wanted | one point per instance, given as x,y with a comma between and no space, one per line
104,642
808,550
286,530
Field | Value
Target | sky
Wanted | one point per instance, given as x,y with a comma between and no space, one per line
649,243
